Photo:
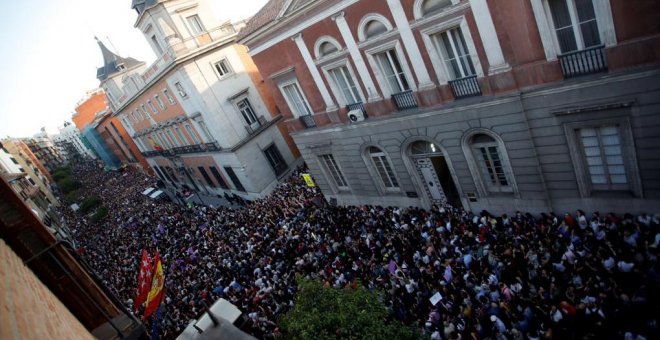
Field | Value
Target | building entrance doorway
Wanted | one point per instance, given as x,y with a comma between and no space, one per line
432,168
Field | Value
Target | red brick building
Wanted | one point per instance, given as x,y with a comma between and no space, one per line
480,103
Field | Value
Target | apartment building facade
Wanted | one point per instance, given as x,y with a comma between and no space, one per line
533,105
200,113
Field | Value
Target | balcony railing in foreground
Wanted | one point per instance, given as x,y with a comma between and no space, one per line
465,87
196,148
587,61
356,106
405,100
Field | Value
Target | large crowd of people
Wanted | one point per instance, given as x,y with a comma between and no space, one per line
518,276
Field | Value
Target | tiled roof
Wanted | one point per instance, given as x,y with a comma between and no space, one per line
265,15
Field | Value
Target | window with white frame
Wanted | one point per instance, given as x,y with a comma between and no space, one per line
384,169
434,6
156,44
455,54
181,136
169,97
390,66
151,106
179,88
575,24
205,130
164,140
247,112
172,138
327,48
296,100
490,163
603,155
160,102
222,67
335,172
374,28
343,80
192,133
196,25
144,110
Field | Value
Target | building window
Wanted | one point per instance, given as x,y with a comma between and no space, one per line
169,97
156,45
160,102
575,24
434,6
374,28
195,24
164,140
205,131
455,54
392,70
275,159
248,113
489,161
296,100
603,156
335,172
152,107
172,138
345,84
385,172
223,68
181,137
179,88
327,48
218,177
206,176
192,134
144,110
13,160
234,179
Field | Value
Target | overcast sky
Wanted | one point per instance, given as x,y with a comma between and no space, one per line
49,56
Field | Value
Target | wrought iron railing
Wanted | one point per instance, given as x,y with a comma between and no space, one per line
465,87
405,100
356,106
212,146
151,153
587,61
308,121
188,149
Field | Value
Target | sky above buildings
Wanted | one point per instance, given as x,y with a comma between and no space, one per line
49,56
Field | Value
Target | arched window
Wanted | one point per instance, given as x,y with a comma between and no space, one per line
433,6
424,148
384,169
374,28
492,166
327,48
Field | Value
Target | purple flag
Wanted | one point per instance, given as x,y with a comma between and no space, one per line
392,267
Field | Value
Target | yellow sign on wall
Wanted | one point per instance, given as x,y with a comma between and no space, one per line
308,179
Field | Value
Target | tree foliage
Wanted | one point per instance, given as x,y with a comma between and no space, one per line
100,214
89,203
61,173
330,313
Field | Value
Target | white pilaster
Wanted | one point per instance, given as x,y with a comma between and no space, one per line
410,45
605,22
489,36
544,30
309,61
356,56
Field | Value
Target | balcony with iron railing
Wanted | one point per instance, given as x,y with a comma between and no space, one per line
587,61
183,47
308,121
251,129
405,100
195,148
356,106
465,87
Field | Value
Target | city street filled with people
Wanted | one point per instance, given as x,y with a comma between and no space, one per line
521,275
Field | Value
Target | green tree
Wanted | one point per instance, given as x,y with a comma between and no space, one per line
89,203
100,214
329,313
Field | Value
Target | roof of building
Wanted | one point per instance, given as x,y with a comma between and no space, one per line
141,5
112,63
13,176
266,14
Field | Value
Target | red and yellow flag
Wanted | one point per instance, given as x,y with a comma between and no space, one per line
157,288
144,280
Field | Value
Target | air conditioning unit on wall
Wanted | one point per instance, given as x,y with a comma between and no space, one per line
356,115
